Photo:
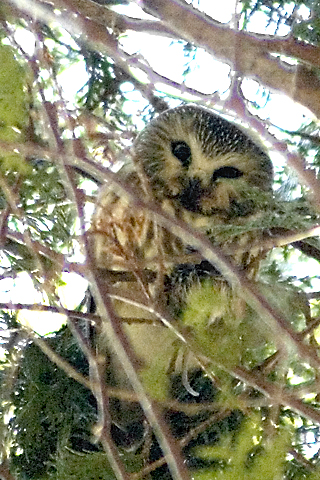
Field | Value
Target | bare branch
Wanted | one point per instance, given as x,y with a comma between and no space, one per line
249,54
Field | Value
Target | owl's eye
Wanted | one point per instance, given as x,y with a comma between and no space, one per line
182,152
226,172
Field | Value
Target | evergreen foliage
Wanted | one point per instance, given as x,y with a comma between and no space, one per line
252,410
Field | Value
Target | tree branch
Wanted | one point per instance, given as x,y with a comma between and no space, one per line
249,54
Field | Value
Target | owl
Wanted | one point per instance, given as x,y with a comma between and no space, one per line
200,168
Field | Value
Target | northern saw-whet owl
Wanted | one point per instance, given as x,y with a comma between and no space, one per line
204,170
198,167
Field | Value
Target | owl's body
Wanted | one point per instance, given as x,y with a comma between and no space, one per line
199,168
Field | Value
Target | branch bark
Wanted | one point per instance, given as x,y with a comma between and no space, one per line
254,56
250,55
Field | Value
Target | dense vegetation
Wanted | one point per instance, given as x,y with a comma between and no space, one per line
255,413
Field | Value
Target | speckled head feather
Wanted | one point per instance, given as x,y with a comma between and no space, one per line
202,163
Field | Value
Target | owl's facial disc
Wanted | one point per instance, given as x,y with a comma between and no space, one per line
197,160
196,196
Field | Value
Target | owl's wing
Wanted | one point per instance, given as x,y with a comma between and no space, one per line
133,253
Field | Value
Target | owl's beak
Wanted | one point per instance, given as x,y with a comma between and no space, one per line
191,196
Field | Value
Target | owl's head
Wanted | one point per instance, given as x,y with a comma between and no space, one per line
201,163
